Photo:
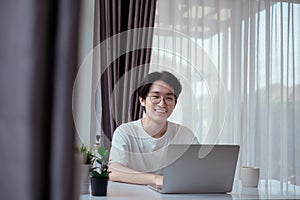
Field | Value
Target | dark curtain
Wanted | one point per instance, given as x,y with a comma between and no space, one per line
120,78
38,66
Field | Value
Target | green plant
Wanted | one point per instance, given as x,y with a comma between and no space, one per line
100,169
87,153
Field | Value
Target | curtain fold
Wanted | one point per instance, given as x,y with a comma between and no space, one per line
38,64
120,76
249,50
63,182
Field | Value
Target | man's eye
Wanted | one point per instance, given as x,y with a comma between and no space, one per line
170,98
155,97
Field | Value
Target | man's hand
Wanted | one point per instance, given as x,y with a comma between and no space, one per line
158,180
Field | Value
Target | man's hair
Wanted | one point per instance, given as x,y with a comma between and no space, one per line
165,76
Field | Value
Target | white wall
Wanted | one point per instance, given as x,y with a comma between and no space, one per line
83,83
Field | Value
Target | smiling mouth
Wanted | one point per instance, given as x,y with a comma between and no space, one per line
161,110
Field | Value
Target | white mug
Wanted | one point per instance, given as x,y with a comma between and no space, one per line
250,176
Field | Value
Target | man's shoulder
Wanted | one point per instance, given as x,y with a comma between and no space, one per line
129,125
128,128
184,134
178,127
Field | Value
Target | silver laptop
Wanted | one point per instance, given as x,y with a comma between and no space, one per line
199,168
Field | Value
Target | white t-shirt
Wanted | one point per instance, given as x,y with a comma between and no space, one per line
135,149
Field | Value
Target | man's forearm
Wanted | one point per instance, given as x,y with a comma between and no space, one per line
123,174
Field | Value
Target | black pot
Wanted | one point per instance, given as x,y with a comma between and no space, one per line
99,186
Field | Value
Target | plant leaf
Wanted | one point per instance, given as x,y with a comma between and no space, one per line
94,174
103,175
103,152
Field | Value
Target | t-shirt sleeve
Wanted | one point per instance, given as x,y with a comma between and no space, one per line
185,135
194,139
119,150
190,136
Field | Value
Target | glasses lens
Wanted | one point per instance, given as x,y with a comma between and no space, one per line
155,99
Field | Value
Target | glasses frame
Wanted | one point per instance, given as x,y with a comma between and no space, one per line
155,100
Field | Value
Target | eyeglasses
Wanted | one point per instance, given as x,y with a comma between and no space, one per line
169,100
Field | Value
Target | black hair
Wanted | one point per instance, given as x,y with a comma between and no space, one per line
165,76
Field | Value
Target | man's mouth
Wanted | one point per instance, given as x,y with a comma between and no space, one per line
161,110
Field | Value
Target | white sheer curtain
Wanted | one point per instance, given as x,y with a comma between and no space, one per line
239,62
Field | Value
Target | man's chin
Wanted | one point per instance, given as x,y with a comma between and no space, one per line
161,116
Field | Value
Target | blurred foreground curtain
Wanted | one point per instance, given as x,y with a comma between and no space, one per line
239,62
38,65
121,28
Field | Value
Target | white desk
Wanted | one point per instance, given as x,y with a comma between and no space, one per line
266,190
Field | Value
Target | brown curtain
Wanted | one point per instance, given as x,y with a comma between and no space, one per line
38,66
120,78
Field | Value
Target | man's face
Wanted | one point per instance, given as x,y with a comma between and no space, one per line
160,101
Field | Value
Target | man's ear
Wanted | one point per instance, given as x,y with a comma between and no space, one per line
142,101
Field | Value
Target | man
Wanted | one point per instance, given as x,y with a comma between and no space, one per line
139,147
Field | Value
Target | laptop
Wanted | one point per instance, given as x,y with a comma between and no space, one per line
199,168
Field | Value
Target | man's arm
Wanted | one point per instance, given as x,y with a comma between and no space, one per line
123,174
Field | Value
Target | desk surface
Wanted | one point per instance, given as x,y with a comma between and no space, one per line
271,189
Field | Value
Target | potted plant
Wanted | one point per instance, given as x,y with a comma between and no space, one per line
99,173
87,156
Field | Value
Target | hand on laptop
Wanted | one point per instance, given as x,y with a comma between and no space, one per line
158,181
